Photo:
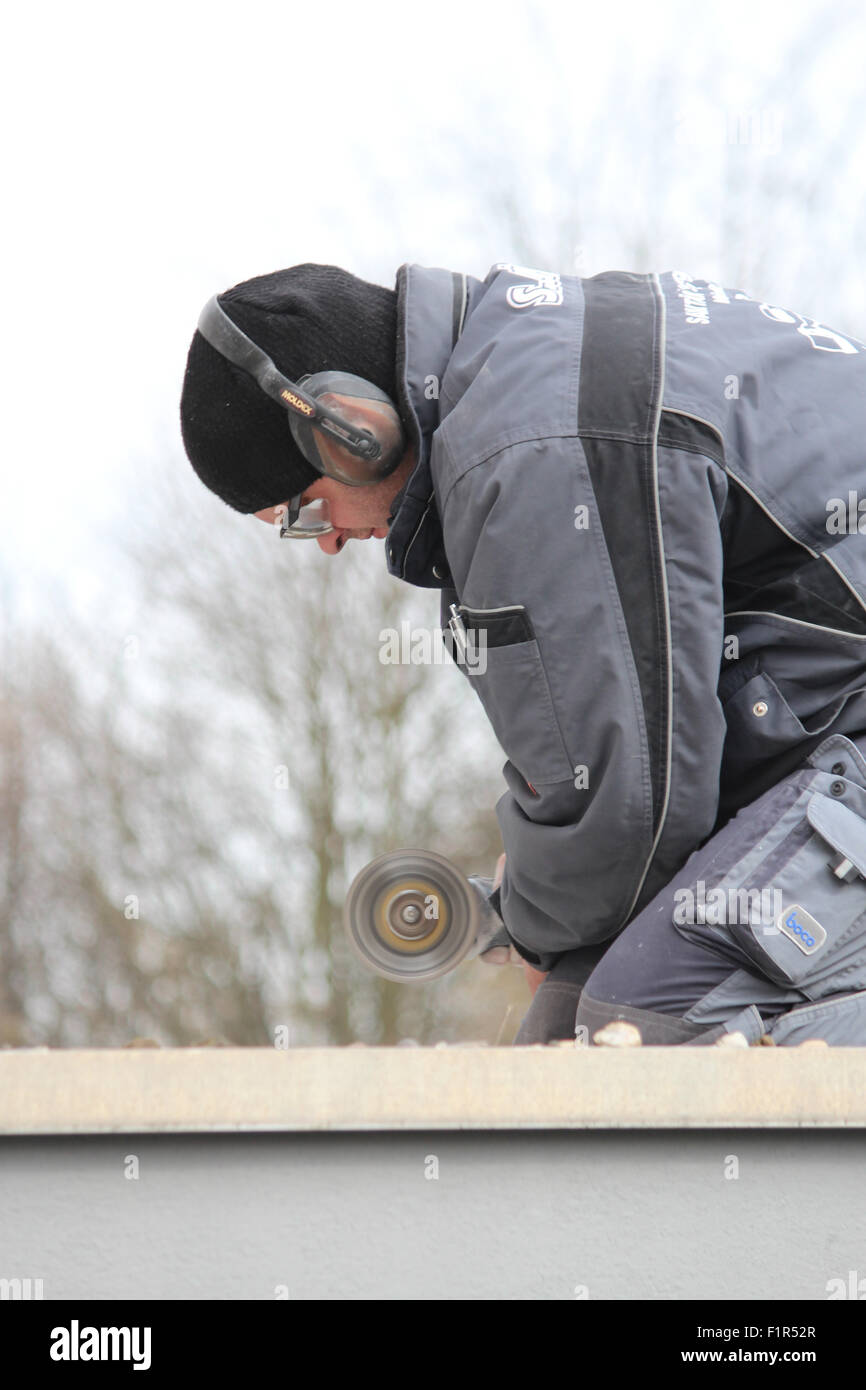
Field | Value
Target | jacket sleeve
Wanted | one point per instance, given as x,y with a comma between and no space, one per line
577,710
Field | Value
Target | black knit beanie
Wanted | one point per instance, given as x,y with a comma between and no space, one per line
309,318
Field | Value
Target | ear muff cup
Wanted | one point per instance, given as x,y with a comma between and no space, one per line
376,412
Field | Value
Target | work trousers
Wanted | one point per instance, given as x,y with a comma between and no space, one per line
762,931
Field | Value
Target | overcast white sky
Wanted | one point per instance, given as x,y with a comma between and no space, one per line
156,154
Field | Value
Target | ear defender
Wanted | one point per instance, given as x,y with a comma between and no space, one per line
346,427
365,407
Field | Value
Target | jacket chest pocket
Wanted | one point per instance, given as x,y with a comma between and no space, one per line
501,657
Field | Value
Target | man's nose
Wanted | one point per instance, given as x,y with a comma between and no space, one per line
332,542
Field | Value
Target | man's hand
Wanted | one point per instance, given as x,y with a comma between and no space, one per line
504,955
499,955
500,870
534,977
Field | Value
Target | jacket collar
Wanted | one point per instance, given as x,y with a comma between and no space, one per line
431,307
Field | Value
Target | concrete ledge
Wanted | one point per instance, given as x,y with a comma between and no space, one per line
192,1090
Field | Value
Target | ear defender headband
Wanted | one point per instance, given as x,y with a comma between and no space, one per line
355,444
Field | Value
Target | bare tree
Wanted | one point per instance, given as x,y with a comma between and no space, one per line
191,784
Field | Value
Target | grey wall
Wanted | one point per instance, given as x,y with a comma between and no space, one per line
512,1215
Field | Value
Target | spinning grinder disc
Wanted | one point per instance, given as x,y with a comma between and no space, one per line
410,915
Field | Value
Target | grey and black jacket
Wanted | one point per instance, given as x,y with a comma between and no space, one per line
642,489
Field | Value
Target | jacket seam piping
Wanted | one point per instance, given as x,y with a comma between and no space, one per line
801,622
531,438
660,383
816,554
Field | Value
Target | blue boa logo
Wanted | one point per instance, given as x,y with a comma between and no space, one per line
801,928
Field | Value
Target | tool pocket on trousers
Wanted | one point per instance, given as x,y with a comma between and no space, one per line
505,667
807,923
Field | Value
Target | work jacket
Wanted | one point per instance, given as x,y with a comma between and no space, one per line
638,494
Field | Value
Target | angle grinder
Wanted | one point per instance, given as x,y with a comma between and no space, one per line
411,915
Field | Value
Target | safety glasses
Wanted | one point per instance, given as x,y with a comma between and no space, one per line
302,523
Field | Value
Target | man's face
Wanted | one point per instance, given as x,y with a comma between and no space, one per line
357,513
